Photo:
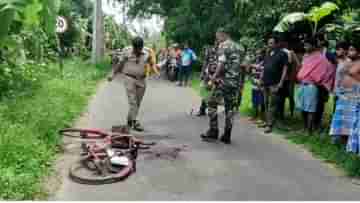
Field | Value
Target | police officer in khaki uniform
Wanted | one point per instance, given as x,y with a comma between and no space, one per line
132,63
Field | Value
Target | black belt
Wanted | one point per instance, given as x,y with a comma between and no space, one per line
306,83
135,77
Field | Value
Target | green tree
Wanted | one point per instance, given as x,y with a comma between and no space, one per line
196,20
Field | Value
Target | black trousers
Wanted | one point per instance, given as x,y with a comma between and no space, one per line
320,109
287,91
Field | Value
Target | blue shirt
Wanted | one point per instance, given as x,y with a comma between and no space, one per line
188,57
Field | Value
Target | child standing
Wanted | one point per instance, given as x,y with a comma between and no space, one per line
257,92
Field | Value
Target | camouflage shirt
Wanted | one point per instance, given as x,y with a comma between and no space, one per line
231,54
210,63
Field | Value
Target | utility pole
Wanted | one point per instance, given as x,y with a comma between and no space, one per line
98,33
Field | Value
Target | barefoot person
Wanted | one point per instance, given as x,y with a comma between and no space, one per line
351,93
257,94
316,71
132,63
345,117
273,77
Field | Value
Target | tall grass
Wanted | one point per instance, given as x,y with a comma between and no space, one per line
30,121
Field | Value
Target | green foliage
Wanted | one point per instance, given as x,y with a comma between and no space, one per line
289,20
252,19
323,149
251,44
346,28
24,41
27,37
298,22
8,11
31,14
36,98
83,8
29,125
316,14
28,14
77,28
116,35
197,21
51,7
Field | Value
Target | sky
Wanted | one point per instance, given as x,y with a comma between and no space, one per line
154,25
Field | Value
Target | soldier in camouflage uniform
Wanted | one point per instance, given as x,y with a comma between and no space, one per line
225,85
208,70
132,62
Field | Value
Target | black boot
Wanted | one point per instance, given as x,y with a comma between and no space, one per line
210,135
226,138
130,124
137,126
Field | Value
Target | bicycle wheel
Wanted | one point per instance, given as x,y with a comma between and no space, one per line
82,175
84,133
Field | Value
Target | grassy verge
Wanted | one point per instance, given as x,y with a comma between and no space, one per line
320,144
30,120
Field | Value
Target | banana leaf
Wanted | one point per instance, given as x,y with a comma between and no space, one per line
316,14
294,24
289,20
319,16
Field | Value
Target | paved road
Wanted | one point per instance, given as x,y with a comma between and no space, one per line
255,167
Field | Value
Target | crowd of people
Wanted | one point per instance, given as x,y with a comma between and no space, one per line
306,73
177,63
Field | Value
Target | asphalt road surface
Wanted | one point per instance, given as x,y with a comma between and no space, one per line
255,167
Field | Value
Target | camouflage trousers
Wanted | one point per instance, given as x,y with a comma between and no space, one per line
271,102
230,100
135,90
239,97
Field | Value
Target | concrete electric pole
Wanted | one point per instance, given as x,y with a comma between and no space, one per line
98,33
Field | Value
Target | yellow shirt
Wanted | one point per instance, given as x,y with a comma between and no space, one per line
151,68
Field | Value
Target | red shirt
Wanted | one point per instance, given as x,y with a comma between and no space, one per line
318,70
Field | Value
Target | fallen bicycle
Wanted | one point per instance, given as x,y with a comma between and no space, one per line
109,160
